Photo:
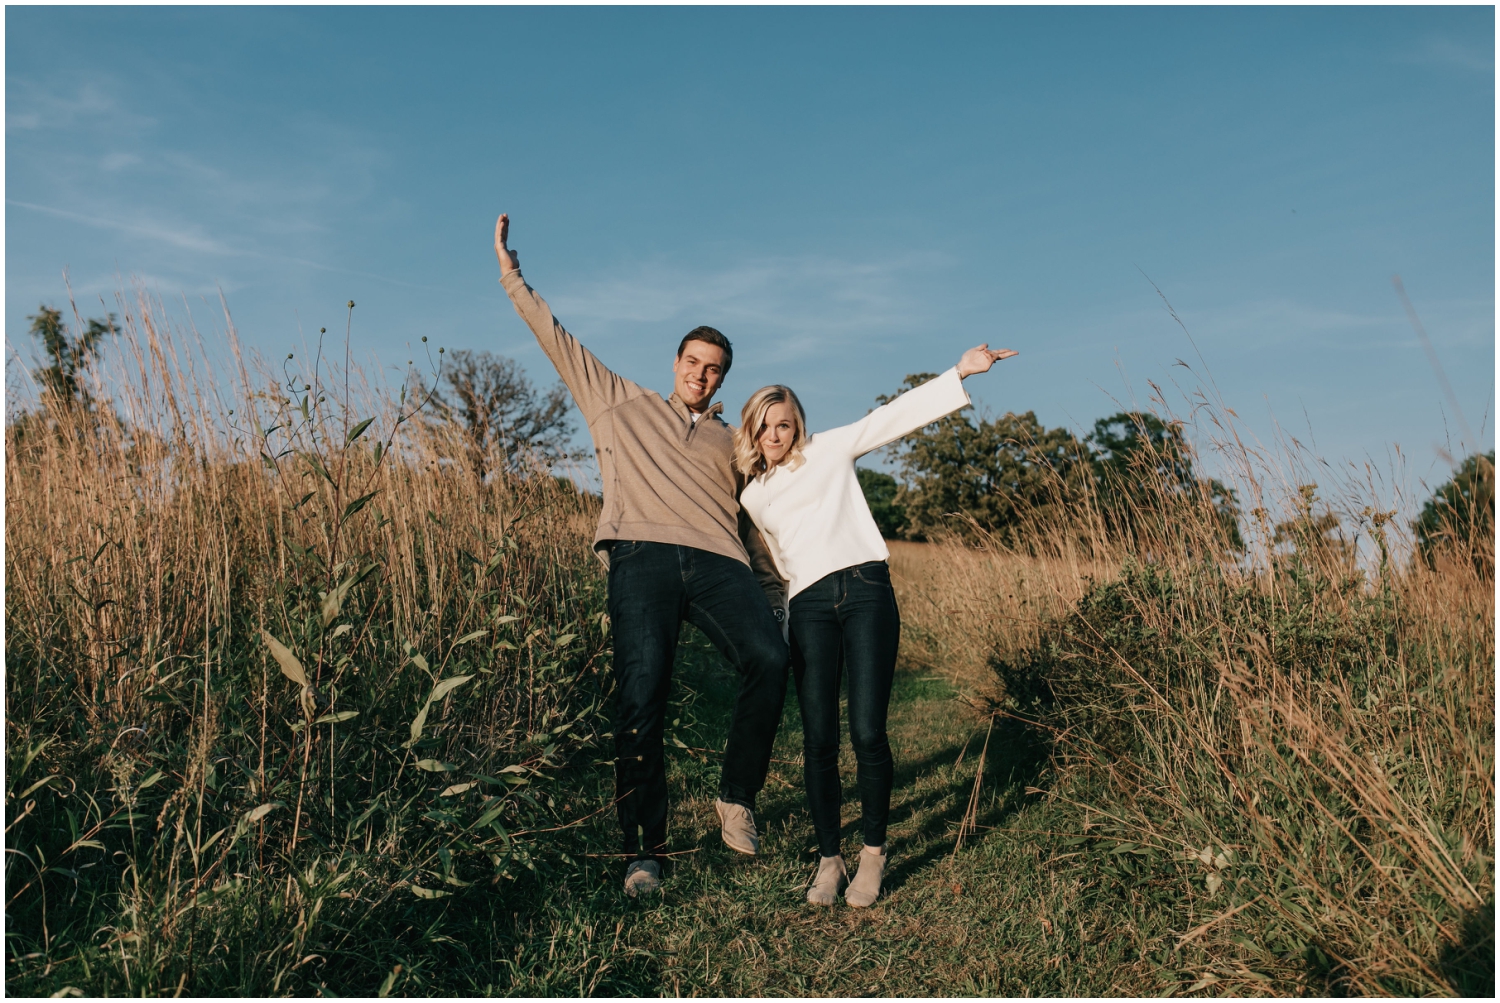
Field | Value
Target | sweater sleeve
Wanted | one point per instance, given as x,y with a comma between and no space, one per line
762,553
917,407
595,388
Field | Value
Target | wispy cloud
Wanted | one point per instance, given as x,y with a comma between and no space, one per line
183,238
1279,320
106,168
32,107
118,161
799,306
1439,50
1269,322
193,240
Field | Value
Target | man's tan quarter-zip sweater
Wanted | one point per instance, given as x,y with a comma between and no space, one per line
666,477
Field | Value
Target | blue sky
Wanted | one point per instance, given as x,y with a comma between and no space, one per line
850,194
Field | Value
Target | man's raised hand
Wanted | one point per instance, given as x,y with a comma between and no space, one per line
980,359
509,260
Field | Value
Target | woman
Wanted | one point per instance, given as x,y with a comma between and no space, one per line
803,495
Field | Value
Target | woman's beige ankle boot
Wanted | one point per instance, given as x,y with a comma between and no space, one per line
824,889
865,888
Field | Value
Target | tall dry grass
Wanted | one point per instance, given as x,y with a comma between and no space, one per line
966,605
1289,753
1292,752
276,663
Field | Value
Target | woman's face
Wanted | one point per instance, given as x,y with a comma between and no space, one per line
776,433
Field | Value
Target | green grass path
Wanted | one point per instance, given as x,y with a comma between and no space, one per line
995,918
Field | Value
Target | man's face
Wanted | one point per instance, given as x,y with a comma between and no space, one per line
697,374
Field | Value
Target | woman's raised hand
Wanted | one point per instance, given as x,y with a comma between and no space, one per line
980,359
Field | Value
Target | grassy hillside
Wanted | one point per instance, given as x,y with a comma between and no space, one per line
1283,782
297,705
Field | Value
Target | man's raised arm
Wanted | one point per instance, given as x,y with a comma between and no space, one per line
594,387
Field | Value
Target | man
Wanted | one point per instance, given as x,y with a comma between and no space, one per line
677,548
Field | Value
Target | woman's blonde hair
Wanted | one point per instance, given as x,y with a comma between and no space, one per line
748,458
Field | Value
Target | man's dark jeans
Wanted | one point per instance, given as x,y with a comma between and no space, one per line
849,615
653,587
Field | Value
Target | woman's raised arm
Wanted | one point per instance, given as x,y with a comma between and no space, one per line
919,406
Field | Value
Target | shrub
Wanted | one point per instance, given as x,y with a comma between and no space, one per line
880,494
507,423
1459,518
1003,475
1143,467
1014,481
1308,757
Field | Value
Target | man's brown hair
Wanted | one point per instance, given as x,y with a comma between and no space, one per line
709,336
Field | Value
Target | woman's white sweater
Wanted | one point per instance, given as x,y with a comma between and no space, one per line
814,519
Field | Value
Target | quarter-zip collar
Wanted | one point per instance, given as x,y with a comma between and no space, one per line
686,414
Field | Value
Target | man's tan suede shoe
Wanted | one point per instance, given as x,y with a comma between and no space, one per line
642,877
737,825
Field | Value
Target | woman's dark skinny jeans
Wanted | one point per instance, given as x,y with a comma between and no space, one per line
848,616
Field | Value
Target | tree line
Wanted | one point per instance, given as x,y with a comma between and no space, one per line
1003,477
1009,476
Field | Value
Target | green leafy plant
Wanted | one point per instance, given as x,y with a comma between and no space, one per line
278,668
